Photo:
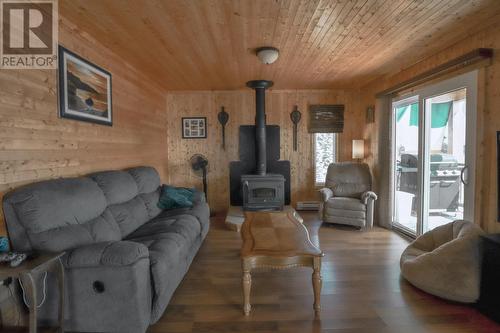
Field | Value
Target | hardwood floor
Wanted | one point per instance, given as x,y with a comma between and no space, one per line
362,290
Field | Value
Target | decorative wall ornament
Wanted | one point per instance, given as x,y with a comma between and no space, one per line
84,90
295,116
194,127
223,118
370,114
326,118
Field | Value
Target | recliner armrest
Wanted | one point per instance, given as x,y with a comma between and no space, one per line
368,195
326,193
121,253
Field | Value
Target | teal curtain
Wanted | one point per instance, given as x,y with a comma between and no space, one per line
400,112
440,113
414,114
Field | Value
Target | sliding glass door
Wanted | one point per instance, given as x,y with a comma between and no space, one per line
433,155
406,155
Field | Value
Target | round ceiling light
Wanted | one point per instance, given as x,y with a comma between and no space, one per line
268,54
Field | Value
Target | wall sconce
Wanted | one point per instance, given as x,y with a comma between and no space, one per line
358,149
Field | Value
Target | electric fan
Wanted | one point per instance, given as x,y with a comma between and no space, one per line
199,166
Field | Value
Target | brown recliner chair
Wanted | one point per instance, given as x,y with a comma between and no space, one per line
347,197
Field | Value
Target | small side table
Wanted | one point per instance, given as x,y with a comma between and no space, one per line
39,262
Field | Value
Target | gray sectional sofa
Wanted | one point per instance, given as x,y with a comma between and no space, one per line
124,256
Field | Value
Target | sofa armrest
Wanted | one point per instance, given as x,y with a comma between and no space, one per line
121,253
326,194
368,195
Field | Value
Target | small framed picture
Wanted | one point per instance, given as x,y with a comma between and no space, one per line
194,127
84,90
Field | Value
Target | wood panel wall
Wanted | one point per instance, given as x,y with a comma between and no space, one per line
487,125
241,108
36,145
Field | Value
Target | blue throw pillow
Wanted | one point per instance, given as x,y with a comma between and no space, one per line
176,197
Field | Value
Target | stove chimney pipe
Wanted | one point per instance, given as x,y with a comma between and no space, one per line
260,87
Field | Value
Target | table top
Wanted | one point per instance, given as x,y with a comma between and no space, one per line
33,263
276,234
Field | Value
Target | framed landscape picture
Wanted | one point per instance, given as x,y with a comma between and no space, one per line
84,90
194,127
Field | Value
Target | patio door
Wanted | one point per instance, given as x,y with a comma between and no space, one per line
433,137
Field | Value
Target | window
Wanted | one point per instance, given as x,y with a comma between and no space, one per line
325,152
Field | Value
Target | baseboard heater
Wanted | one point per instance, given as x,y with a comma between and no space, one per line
308,205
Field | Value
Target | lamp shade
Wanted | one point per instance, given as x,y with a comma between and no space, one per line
358,149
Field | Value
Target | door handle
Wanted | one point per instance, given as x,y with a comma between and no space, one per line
462,175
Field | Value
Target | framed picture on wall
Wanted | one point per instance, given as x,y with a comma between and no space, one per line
84,90
194,127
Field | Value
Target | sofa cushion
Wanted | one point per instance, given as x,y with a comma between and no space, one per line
200,210
156,226
345,203
118,186
146,178
151,202
101,229
185,226
57,203
130,215
172,242
120,253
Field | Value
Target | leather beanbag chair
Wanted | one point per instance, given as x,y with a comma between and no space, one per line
446,262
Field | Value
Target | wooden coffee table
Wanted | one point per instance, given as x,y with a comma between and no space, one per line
278,239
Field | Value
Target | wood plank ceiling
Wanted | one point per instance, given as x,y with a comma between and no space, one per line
209,44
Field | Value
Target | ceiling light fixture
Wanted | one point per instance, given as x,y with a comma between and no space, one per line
268,54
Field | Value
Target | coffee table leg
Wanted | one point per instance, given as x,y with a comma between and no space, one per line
316,280
247,284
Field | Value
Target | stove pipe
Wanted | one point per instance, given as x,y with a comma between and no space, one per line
260,87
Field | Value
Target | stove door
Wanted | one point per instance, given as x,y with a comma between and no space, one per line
262,194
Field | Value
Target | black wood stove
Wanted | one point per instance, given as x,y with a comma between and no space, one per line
250,181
